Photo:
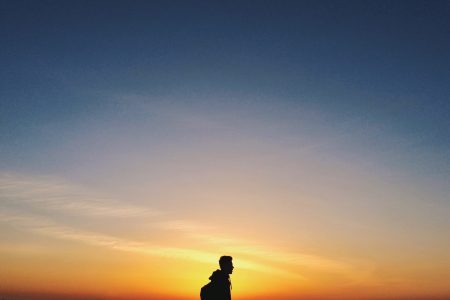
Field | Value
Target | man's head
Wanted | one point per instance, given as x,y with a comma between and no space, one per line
226,264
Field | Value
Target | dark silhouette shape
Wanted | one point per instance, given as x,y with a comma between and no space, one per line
219,288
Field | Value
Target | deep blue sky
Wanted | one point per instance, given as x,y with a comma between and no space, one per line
376,62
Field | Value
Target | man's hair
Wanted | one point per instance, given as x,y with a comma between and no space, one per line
225,260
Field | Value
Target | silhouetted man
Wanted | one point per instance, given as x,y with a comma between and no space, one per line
220,286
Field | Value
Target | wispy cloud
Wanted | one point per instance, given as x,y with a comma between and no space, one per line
209,235
53,194
50,194
48,228
351,269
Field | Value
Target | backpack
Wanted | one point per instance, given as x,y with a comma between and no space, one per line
207,292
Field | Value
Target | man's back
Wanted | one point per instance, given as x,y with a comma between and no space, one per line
219,287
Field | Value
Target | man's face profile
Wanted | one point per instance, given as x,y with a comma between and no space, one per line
228,267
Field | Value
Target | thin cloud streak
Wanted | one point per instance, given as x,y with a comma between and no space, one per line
50,194
232,245
48,228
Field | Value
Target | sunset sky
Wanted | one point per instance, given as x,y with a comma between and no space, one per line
142,140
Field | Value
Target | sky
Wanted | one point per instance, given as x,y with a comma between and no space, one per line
142,140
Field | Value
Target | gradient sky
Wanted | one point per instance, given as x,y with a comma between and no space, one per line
141,140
